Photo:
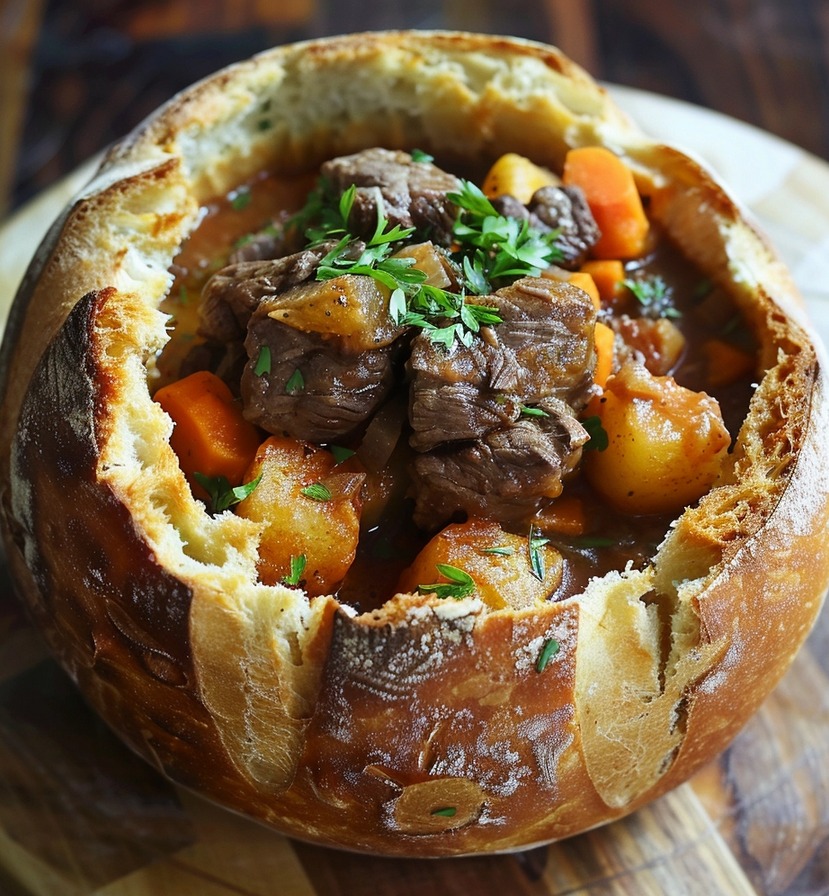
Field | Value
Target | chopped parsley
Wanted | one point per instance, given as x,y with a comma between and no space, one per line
295,383
220,492
318,491
263,361
533,412
297,569
418,155
240,199
459,586
494,247
548,651
447,317
598,434
341,454
445,811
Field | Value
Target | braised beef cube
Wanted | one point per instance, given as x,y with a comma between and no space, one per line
509,475
232,294
542,348
412,194
565,209
331,354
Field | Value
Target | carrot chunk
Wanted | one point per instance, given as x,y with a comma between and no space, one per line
210,435
611,193
608,274
603,338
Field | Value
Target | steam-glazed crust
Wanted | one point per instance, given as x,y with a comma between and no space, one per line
425,727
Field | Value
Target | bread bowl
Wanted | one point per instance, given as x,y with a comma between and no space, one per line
422,727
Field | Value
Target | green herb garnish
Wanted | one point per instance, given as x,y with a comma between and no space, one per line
460,584
240,199
295,383
533,412
548,651
496,247
447,317
500,550
445,811
317,491
418,155
263,361
341,454
535,543
598,434
654,294
220,492
297,569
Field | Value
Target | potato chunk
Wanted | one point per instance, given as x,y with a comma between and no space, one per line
311,510
499,563
666,443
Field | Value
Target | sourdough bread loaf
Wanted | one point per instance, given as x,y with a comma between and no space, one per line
423,728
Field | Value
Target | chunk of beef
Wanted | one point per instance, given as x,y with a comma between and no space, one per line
508,475
270,242
332,349
413,194
232,294
565,209
542,349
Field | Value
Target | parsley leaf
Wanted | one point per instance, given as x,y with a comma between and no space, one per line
295,382
240,199
418,155
445,811
494,247
263,361
460,584
222,495
297,569
598,434
341,454
318,491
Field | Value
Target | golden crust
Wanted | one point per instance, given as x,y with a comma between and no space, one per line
424,728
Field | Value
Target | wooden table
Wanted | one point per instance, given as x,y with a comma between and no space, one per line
78,814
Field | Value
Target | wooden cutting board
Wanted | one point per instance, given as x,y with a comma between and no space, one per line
80,815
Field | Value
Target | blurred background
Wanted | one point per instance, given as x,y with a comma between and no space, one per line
77,74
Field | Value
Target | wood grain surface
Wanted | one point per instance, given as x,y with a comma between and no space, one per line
79,814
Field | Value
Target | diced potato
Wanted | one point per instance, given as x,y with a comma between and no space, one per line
498,562
353,308
300,520
666,443
428,259
517,176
